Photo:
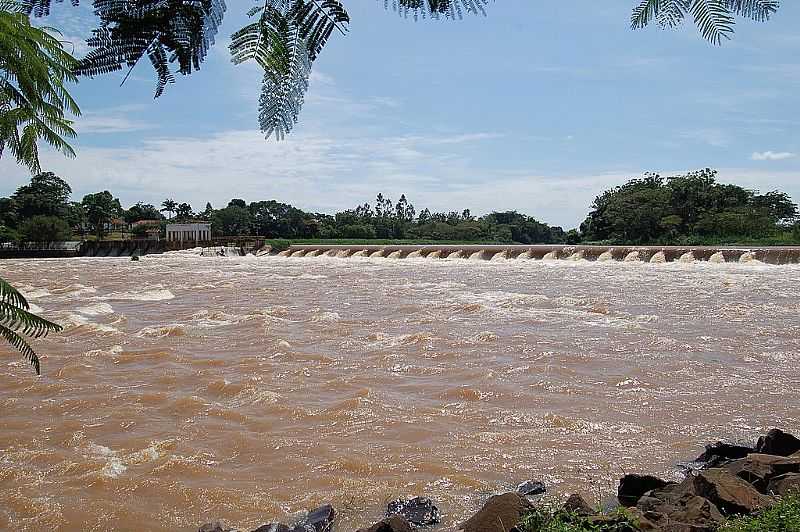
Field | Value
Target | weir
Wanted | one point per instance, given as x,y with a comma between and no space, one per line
651,254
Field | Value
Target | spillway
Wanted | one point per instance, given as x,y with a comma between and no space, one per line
648,254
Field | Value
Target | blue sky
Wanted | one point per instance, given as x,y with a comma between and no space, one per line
537,107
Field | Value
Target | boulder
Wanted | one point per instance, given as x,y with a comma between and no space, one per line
501,513
419,511
673,511
577,505
729,493
719,453
318,520
758,469
779,443
632,487
531,487
784,484
395,523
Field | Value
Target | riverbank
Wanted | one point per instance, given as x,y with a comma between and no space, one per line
730,487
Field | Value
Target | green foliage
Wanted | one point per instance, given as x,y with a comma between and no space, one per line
100,208
46,195
545,519
231,221
714,18
166,31
18,324
142,211
654,210
169,205
44,229
34,73
781,517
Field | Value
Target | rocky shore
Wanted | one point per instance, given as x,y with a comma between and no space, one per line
723,486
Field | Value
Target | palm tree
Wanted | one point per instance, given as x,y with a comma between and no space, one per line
170,206
34,71
17,323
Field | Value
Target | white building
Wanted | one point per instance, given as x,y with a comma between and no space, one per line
196,232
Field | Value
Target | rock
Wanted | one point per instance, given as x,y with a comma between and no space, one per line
721,452
758,469
273,527
317,520
784,484
419,511
395,523
729,493
779,443
577,505
674,511
501,513
215,526
632,487
531,487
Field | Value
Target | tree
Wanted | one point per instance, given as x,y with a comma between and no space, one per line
100,208
170,206
45,229
142,211
17,323
231,221
34,100
184,211
46,195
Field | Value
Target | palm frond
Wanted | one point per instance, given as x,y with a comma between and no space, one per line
17,323
714,18
167,31
284,41
452,9
19,343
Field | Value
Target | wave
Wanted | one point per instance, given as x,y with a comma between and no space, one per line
164,331
156,294
96,309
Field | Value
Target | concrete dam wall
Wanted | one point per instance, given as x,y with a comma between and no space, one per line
653,254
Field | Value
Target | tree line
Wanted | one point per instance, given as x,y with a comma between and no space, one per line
684,209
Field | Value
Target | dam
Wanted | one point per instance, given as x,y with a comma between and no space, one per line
653,254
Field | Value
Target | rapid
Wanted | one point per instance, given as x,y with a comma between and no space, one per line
187,388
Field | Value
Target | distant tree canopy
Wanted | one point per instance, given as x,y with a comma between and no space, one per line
284,38
683,209
654,209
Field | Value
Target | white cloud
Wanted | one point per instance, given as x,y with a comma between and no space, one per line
112,120
772,156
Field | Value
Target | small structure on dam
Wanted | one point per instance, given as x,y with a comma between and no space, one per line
193,232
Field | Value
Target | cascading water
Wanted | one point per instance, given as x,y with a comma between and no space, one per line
658,258
717,258
633,256
456,255
553,255
687,257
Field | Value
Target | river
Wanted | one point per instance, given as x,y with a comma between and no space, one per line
187,388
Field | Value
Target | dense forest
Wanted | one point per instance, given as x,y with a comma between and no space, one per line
685,209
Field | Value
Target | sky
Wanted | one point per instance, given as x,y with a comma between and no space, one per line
538,107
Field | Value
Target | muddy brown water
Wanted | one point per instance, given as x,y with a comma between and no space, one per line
188,388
